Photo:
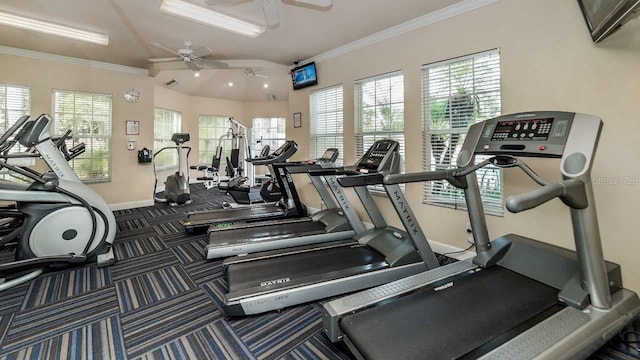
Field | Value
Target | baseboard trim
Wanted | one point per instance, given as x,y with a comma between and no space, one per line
131,205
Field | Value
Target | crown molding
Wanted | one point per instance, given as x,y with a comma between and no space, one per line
419,22
71,60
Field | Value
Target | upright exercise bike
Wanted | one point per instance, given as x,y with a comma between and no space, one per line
176,187
65,221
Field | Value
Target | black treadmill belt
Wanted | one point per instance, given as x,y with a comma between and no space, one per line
299,269
239,214
449,323
266,232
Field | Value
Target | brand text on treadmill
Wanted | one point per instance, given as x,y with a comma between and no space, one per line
274,282
443,286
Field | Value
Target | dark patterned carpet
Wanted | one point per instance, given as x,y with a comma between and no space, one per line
161,300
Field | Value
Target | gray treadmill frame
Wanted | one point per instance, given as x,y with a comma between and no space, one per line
570,333
253,245
262,302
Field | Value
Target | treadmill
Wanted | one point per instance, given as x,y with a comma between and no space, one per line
518,298
289,206
332,223
279,278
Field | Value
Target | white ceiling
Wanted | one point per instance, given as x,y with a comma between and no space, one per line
132,25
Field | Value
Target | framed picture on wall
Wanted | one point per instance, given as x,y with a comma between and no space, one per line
297,120
133,127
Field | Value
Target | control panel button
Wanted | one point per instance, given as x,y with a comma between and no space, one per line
486,147
542,147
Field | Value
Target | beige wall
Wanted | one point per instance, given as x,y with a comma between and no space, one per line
548,62
131,183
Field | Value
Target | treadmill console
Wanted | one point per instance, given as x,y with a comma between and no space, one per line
330,155
541,134
380,150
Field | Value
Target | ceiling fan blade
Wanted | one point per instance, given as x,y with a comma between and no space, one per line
271,14
201,52
319,3
163,59
213,63
192,65
164,48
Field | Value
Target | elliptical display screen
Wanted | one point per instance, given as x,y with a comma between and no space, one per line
523,130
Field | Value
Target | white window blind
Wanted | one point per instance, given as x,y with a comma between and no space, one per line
166,123
379,112
88,115
267,131
210,129
15,102
326,122
457,94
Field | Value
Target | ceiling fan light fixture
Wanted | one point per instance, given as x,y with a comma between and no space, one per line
211,18
53,29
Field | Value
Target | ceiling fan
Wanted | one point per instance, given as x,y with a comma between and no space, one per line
193,59
251,72
270,7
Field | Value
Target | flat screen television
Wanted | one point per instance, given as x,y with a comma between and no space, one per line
604,17
305,75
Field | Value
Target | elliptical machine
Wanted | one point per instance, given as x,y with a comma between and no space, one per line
65,221
176,187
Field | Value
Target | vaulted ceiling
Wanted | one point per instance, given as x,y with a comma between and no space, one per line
132,25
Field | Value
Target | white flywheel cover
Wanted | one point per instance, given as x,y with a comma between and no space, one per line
65,231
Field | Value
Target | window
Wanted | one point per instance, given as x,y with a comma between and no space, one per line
211,128
267,131
326,122
456,94
379,110
15,102
88,116
166,124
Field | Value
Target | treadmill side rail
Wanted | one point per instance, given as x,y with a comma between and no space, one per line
255,245
297,295
333,311
571,333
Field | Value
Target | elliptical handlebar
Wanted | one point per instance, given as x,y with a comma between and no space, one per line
18,124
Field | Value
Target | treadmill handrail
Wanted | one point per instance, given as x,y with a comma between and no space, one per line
571,192
361,180
279,155
453,176
299,167
350,170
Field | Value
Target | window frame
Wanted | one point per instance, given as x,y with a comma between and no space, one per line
273,141
159,142
206,153
9,119
324,104
397,135
483,102
80,135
